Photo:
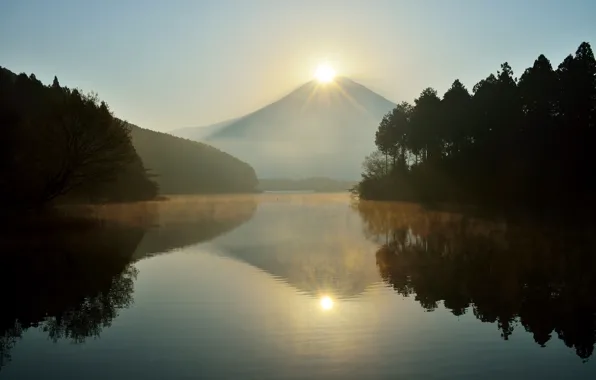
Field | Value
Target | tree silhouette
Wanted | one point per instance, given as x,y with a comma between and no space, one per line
511,141
57,142
55,83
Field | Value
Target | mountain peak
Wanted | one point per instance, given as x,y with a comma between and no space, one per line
339,83
319,129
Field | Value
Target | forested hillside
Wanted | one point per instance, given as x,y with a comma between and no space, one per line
526,141
182,166
58,143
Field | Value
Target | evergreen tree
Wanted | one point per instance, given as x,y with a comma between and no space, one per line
511,142
55,83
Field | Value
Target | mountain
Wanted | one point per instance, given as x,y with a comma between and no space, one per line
200,133
188,167
318,130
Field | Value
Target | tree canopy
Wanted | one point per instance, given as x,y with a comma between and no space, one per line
510,140
60,143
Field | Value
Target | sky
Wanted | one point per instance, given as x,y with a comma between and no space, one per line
172,64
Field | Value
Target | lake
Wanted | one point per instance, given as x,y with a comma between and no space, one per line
297,286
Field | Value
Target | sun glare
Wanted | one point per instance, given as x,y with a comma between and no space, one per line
326,303
324,73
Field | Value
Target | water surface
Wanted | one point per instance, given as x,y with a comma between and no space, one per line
297,286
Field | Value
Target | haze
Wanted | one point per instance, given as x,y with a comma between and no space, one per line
190,63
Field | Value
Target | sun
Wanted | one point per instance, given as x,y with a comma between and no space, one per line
326,303
324,73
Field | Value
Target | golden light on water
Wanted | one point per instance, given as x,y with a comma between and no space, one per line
326,303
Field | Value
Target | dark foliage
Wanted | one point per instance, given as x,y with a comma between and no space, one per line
59,143
511,140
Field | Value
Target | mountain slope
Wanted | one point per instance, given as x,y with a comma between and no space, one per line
315,131
200,133
188,167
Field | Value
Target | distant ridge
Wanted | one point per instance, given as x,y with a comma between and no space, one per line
316,184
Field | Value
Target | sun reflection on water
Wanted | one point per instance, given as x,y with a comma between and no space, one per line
326,303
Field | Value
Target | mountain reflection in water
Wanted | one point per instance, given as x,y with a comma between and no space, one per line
311,242
538,277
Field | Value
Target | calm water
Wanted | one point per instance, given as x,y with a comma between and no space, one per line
303,286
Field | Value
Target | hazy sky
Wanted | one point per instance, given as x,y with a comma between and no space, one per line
171,64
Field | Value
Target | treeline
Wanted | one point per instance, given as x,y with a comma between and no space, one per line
182,166
510,140
58,143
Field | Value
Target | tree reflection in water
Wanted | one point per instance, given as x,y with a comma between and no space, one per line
69,283
69,276
539,276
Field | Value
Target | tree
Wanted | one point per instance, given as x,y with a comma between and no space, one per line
375,166
55,83
385,139
577,107
391,136
426,135
86,146
59,141
374,178
401,117
455,109
538,88
510,142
